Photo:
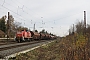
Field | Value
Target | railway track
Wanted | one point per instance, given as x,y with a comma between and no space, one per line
5,42
6,50
18,45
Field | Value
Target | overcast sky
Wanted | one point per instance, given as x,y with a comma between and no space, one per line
55,16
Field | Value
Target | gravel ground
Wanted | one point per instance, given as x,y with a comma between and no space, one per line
15,50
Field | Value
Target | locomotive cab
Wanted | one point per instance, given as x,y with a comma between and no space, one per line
23,36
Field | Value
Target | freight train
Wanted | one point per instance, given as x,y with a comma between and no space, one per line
25,35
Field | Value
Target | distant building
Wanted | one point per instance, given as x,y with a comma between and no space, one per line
2,34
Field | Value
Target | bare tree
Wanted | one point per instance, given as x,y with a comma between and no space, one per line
88,29
80,27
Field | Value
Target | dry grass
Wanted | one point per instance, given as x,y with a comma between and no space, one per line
64,49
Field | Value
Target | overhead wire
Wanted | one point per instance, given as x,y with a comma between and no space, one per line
10,9
24,6
64,17
3,3
29,9
22,10
13,12
28,13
